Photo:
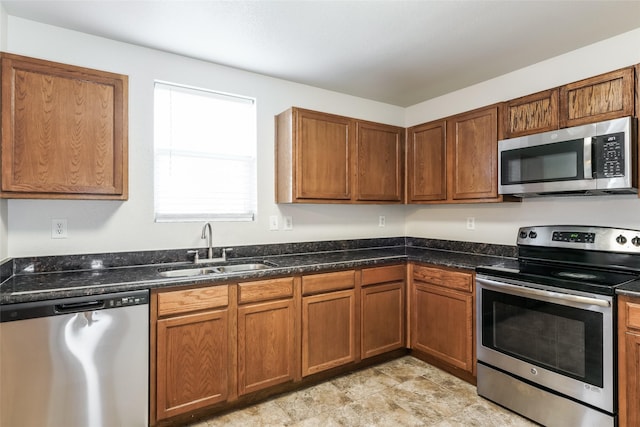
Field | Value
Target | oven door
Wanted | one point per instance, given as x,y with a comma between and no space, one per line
558,340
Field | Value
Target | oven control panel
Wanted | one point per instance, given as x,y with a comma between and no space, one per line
582,237
573,236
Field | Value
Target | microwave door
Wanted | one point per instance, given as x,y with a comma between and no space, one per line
564,166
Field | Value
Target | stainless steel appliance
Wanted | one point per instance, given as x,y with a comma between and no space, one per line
546,325
75,362
598,158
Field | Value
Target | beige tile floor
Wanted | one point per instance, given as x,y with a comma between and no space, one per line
402,392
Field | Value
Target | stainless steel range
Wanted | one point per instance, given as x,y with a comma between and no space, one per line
546,325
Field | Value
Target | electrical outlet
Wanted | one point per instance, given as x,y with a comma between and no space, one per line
58,228
288,223
471,223
273,222
382,221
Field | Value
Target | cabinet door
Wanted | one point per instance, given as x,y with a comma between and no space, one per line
472,141
628,361
604,97
531,114
323,155
64,131
191,362
630,384
379,162
442,325
427,162
328,331
265,345
382,319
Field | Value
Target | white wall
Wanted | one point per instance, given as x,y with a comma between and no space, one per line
97,226
498,223
4,205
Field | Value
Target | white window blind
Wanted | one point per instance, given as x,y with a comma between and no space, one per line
205,155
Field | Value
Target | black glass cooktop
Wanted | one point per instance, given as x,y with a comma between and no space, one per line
600,281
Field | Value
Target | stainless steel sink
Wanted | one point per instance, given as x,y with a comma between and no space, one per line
222,269
233,268
187,272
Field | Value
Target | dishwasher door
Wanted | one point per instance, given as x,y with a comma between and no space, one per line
76,362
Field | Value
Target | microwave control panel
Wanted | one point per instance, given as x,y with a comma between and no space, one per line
609,155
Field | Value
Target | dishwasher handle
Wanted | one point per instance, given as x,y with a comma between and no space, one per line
78,306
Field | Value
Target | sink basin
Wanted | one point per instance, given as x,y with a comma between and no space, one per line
187,272
231,268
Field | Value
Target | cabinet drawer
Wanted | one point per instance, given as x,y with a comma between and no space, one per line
383,274
319,283
265,290
445,278
633,315
192,299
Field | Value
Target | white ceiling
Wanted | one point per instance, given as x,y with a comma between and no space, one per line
397,52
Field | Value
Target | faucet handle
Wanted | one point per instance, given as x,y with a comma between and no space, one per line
225,251
195,255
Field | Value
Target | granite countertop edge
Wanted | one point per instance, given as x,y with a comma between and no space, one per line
631,289
32,287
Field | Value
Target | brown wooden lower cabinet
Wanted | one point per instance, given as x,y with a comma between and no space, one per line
328,331
629,361
442,318
191,362
382,308
266,355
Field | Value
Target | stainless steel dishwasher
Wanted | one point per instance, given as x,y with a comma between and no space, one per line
75,362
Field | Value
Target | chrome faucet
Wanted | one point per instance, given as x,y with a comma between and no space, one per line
207,227
208,234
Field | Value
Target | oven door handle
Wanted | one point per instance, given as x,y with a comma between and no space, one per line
539,292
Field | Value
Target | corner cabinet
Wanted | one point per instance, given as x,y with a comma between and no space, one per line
442,319
629,360
454,160
64,131
325,158
193,340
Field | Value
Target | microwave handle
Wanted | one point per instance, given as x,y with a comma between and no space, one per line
589,156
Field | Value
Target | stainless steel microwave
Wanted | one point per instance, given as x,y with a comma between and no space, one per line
598,158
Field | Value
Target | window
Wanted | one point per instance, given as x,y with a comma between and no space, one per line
205,155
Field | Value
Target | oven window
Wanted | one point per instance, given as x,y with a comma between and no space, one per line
562,339
561,161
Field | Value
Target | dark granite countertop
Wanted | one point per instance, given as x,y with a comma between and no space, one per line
631,289
34,286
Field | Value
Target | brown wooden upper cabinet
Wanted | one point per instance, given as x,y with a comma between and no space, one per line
325,158
604,97
379,163
531,114
472,144
454,160
427,162
64,131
